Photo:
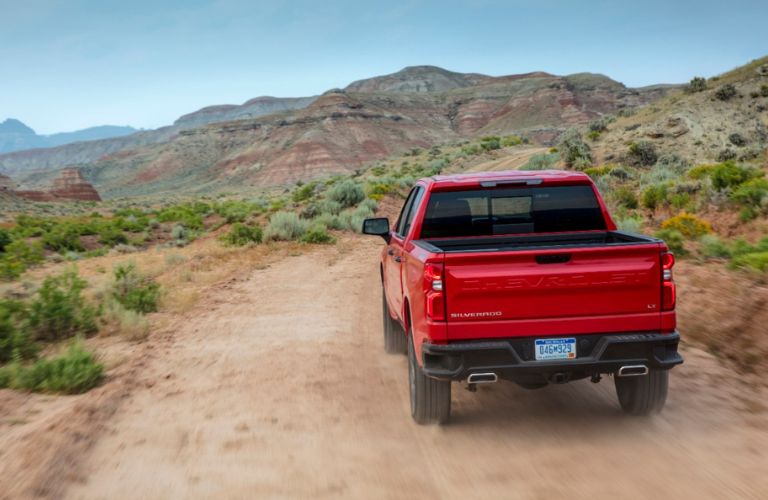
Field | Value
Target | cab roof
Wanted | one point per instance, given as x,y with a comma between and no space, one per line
510,177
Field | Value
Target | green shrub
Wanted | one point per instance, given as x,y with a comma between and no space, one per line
688,225
630,224
756,260
711,247
643,153
317,234
697,84
490,143
748,213
5,239
752,193
764,90
701,171
674,240
303,193
311,211
28,226
596,172
573,150
134,291
626,198
654,196
63,237
18,256
543,161
511,140
352,220
240,235
15,342
59,310
285,226
593,135
190,215
236,210
725,92
111,235
330,207
346,193
680,201
330,221
76,371
471,149
729,174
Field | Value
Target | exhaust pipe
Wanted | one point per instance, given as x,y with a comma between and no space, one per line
482,378
632,371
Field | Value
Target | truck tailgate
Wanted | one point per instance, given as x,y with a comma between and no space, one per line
548,291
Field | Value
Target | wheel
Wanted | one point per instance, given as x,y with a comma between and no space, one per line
643,394
394,336
430,398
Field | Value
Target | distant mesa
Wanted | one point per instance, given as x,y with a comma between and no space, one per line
69,185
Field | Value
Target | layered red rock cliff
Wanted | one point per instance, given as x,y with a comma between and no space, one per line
69,185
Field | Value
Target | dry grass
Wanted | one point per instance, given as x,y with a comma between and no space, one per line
184,274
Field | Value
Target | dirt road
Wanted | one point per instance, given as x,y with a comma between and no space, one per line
279,387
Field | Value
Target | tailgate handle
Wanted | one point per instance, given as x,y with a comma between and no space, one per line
555,258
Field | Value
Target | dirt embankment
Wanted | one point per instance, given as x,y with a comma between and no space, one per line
277,385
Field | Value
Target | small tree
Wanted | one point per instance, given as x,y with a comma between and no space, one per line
697,84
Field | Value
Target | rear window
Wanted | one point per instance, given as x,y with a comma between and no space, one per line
486,212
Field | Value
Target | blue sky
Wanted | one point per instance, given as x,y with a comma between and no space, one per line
69,64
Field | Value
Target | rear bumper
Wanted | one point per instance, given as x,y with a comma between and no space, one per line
514,358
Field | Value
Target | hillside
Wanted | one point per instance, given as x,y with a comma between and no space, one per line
726,119
16,136
338,132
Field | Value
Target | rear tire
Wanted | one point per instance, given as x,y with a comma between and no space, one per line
394,336
643,395
430,398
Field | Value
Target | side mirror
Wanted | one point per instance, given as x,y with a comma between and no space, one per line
378,226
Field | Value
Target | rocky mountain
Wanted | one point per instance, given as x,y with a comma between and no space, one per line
334,133
16,136
419,79
724,117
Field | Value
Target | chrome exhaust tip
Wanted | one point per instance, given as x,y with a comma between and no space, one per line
632,371
482,378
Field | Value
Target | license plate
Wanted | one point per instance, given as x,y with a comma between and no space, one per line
546,349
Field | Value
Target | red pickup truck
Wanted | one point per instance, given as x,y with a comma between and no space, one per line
522,276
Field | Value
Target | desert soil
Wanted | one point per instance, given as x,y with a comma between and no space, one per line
278,386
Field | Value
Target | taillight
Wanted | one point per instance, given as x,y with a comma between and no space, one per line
433,277
433,289
668,290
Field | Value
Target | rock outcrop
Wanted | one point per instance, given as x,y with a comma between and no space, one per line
69,185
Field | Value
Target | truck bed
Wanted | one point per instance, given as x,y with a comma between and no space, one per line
531,242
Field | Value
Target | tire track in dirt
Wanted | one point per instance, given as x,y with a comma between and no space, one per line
279,386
